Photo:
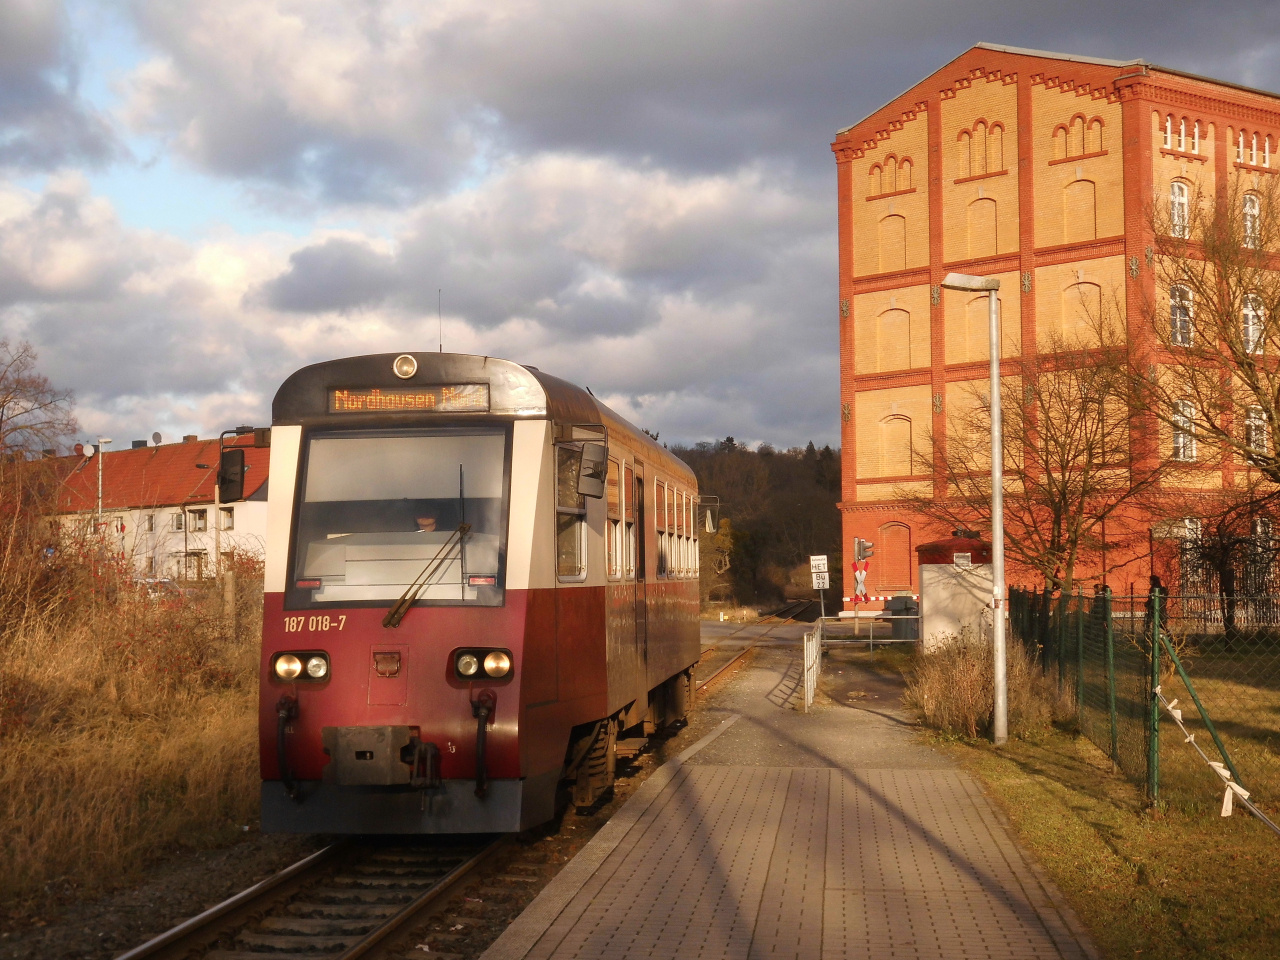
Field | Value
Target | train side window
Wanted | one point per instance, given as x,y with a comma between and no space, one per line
613,533
629,522
660,523
571,515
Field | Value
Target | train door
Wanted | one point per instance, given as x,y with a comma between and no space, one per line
642,598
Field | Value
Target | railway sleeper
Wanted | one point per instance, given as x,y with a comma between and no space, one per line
275,942
344,911
318,926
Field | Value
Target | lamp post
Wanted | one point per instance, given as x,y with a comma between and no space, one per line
990,286
102,442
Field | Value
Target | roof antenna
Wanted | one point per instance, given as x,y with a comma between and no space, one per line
439,320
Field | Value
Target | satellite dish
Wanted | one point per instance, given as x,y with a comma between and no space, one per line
79,449
155,438
90,450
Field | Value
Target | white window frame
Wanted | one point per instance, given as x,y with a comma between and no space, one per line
1257,433
1184,432
1252,320
1251,220
199,521
1182,311
1192,528
179,522
227,517
1179,210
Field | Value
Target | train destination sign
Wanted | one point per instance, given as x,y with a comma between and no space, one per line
439,398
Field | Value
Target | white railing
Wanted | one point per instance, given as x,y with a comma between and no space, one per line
812,663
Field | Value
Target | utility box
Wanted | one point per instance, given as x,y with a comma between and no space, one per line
956,581
903,616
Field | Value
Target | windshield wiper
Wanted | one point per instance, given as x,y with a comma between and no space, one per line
397,612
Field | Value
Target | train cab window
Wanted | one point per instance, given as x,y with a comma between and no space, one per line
379,510
571,515
613,533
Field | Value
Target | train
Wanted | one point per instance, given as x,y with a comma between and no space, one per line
481,589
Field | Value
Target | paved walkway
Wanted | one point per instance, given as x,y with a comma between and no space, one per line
780,834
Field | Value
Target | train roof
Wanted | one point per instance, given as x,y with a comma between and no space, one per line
515,390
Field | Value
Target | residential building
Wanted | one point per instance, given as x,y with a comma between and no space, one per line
158,506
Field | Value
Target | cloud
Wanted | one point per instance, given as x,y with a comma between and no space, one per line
645,285
362,102
44,123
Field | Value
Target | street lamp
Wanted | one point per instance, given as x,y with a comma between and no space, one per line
102,442
990,285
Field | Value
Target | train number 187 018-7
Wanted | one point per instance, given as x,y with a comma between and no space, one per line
317,622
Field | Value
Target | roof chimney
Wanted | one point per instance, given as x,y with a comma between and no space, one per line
139,444
190,438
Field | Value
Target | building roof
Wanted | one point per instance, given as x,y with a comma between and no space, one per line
164,476
1144,65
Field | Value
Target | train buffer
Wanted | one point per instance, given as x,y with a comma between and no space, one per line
780,834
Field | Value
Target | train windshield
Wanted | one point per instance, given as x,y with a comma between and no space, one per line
380,511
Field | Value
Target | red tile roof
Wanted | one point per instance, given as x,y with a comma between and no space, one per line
153,477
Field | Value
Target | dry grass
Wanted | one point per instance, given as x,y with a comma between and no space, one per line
127,725
1145,883
952,687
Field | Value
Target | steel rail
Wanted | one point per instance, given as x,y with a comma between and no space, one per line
439,890
190,933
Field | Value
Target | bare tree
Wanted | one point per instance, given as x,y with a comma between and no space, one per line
1213,373
1069,431
34,416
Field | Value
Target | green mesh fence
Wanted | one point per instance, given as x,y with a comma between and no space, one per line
1098,650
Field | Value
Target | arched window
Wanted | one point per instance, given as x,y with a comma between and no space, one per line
1081,300
1184,436
1093,142
1080,211
893,243
978,150
1168,132
1181,313
1179,210
995,148
982,227
876,174
904,175
1252,320
895,446
965,141
1075,136
1251,221
895,557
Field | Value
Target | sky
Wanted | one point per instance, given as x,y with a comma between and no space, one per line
198,198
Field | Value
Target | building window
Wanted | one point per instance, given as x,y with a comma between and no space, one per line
1191,528
1251,322
228,518
1184,437
1260,530
1179,210
1181,311
1240,148
148,523
179,522
1252,221
1256,435
199,521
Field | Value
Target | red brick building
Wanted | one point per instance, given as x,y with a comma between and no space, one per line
1034,167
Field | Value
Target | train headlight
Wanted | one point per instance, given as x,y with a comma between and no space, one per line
497,664
288,666
467,665
317,668
404,366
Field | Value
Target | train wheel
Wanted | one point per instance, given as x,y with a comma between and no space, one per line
597,769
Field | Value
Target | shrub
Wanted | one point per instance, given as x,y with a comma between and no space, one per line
953,687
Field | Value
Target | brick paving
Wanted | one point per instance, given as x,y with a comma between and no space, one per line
744,861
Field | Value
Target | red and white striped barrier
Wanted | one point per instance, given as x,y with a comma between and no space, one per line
914,596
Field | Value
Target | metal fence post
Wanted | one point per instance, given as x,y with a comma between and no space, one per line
1064,608
1111,682
1153,736
1080,655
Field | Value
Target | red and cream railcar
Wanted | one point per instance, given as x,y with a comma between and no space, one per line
478,578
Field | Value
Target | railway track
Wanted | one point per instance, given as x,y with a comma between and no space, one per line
349,900
794,610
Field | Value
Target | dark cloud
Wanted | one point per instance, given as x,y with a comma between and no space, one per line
334,275
358,102
44,123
